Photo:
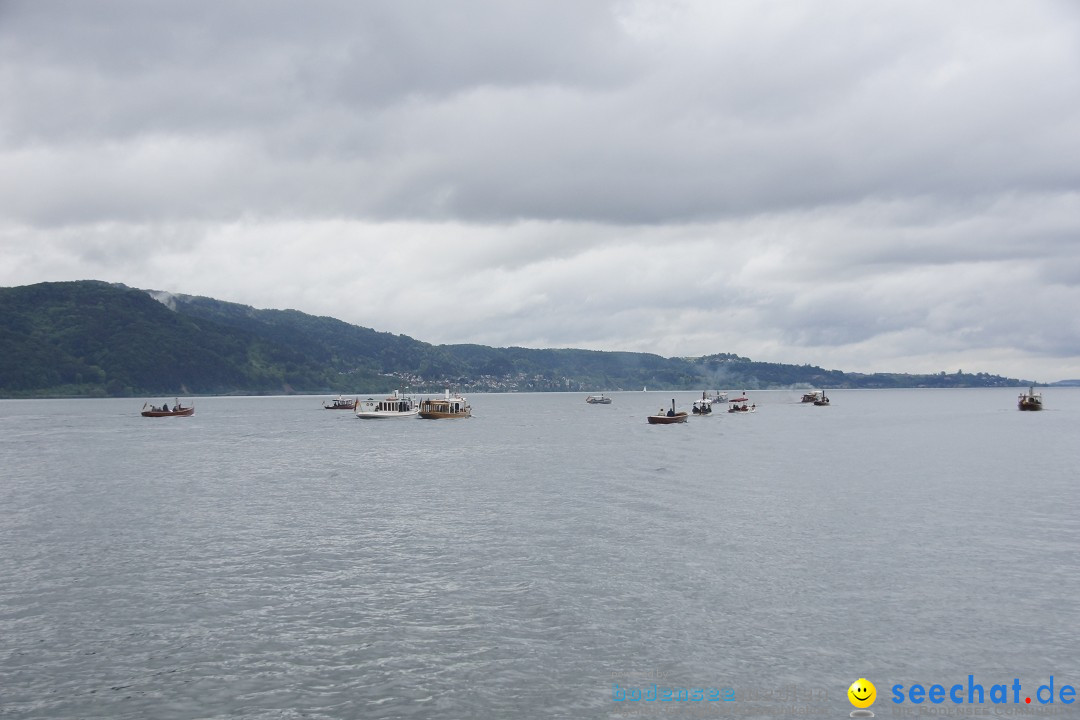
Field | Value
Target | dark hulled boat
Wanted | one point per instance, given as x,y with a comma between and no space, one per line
178,410
340,403
1030,400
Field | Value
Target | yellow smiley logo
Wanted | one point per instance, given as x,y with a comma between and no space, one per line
862,693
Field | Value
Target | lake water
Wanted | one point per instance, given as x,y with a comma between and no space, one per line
270,559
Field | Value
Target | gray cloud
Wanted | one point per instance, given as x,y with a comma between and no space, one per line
594,111
868,186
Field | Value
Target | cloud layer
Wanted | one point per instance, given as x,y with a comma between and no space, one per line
886,186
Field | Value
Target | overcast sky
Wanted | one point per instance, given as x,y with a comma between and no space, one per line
865,186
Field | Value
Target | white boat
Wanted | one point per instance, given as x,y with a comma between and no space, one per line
393,406
598,400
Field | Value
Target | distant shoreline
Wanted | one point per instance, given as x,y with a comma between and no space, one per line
90,339
658,391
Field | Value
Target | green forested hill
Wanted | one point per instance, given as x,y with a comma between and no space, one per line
93,338
329,342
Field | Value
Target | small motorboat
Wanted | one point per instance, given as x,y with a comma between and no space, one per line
340,403
702,406
598,400
741,407
1030,400
178,410
668,418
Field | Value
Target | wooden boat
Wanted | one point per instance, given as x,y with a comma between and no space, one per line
340,403
178,410
445,407
1030,400
822,401
598,400
668,418
811,397
393,406
737,407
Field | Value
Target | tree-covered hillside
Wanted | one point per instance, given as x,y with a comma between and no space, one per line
91,338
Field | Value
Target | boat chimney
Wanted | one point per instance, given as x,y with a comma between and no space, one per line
447,395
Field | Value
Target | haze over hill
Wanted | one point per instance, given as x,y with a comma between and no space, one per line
90,338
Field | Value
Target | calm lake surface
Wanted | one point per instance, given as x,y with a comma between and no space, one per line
270,559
